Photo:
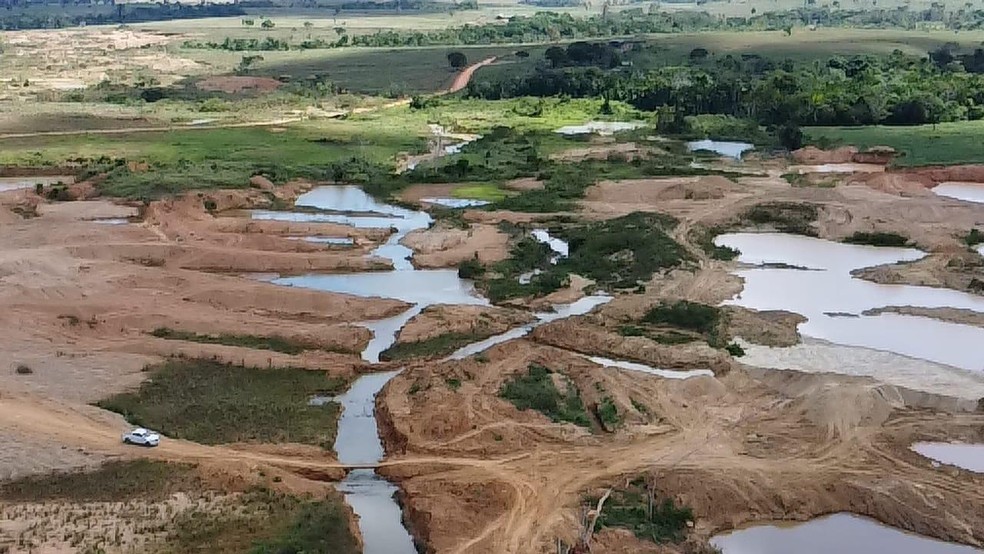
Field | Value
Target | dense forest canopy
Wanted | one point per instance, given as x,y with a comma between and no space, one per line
861,90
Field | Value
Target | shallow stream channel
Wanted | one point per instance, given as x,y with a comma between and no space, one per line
358,443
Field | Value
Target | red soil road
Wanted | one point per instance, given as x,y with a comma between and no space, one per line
462,79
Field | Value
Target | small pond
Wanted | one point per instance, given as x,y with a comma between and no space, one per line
967,456
17,183
456,202
827,291
600,127
836,534
969,192
724,148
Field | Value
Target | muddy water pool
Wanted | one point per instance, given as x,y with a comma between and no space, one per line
969,192
823,289
967,456
724,148
839,533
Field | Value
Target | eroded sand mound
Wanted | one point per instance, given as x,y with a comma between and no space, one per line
652,191
814,155
442,319
443,247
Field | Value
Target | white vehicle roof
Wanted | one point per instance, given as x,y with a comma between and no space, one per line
139,431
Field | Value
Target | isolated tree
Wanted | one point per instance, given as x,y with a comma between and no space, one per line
457,60
248,22
698,54
268,24
308,24
246,63
556,56
522,54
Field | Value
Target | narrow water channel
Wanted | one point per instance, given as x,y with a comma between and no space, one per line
370,496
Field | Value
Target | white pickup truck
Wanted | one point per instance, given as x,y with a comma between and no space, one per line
142,437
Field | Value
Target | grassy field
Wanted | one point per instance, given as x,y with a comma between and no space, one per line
213,403
946,143
114,481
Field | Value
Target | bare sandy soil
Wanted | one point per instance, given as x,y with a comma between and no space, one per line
441,246
443,319
736,449
78,300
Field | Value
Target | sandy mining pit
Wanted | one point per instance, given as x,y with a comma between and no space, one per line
749,444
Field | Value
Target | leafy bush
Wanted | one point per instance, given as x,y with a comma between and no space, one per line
536,391
735,349
434,347
974,237
787,217
274,342
633,508
685,315
470,269
877,239
608,413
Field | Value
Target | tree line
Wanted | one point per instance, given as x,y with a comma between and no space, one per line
862,90
553,27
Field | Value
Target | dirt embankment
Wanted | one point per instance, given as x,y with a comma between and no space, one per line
79,298
440,320
826,444
441,246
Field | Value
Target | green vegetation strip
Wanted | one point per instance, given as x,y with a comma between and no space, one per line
786,217
536,390
114,481
213,403
635,508
616,253
877,239
274,343
433,347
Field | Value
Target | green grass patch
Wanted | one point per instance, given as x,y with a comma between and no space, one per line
616,253
214,403
264,522
316,527
434,347
274,343
635,508
877,238
786,217
608,413
945,143
536,390
114,481
684,314
623,251
488,192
